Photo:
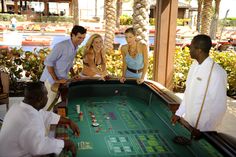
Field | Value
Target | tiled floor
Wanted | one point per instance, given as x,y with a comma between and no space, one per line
228,125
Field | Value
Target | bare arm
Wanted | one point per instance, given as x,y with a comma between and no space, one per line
72,72
104,68
144,50
145,60
124,65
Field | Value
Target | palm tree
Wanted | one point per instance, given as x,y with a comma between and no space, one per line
118,12
214,22
110,24
199,14
141,11
206,16
76,12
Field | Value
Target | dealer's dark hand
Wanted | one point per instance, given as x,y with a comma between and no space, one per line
74,128
195,134
70,146
174,119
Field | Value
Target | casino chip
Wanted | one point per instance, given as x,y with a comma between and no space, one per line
95,124
93,116
94,120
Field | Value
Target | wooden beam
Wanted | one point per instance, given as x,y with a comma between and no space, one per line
2,6
70,9
46,8
16,6
76,15
166,15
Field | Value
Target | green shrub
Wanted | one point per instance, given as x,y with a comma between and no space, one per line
55,19
152,21
182,22
182,62
18,62
227,60
126,20
22,18
7,17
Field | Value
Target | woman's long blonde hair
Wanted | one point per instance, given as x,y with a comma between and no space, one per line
89,43
89,46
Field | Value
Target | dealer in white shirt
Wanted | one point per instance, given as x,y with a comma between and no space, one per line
214,106
23,130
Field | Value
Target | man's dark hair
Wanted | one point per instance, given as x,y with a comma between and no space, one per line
33,90
78,29
130,30
202,42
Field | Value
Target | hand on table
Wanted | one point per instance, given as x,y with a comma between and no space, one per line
61,81
195,134
103,76
140,81
174,119
70,146
76,77
56,85
122,79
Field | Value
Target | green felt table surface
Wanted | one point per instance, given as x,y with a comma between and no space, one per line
133,121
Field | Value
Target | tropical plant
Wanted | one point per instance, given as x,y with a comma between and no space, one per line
20,64
182,62
126,20
29,65
32,63
227,60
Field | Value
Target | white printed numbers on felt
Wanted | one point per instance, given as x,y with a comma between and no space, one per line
84,145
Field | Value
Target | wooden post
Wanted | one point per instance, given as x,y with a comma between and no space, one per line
70,8
3,3
166,15
76,12
16,6
46,8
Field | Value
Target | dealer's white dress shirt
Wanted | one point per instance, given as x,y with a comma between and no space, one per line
23,132
215,102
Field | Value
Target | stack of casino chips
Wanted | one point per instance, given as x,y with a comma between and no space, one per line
94,120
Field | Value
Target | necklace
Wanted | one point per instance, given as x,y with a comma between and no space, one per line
132,50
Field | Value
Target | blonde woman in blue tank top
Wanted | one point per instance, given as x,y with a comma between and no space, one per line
134,57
